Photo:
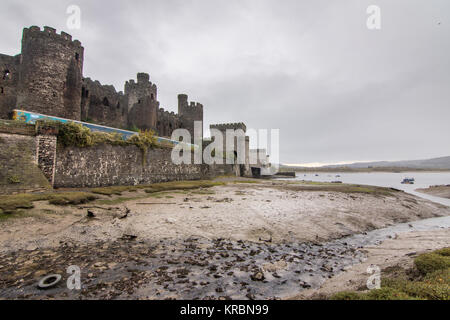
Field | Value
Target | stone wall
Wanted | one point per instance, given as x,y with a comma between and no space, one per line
50,73
106,165
167,122
47,78
9,76
19,171
101,104
46,155
31,160
189,112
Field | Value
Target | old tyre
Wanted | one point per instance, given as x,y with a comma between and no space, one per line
49,281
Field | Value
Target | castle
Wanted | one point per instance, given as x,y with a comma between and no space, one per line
47,78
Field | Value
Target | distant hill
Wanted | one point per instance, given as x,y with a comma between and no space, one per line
434,163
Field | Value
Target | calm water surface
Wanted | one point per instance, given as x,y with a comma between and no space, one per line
387,179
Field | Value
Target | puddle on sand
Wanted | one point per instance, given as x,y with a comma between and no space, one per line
196,268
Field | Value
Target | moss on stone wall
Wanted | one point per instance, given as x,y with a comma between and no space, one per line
17,127
72,134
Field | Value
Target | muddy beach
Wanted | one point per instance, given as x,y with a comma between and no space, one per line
263,240
438,191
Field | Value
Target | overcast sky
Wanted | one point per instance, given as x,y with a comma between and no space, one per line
336,90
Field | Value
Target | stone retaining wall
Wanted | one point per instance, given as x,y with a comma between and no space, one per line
30,160
106,165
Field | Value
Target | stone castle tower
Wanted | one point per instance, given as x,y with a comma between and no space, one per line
189,113
47,78
50,73
142,102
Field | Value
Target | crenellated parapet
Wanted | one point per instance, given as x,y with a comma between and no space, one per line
49,34
142,88
98,88
167,122
190,112
229,126
50,73
186,108
47,78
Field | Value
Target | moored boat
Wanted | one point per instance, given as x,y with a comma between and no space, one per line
408,181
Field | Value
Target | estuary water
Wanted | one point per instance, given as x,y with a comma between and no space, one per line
386,179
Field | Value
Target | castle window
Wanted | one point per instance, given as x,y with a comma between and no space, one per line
77,56
105,101
118,105
139,101
152,96
6,74
2,90
84,92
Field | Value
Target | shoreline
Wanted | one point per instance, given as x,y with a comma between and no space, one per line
361,170
442,191
391,255
244,239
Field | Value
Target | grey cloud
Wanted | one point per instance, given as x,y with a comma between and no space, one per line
312,69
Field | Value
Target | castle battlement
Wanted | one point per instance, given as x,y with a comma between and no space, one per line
166,113
49,33
229,126
185,107
143,85
195,105
51,82
95,84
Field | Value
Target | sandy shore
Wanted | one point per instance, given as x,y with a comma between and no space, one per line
240,240
438,191
393,253
249,212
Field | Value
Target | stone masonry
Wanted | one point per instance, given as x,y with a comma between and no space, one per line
47,78
46,155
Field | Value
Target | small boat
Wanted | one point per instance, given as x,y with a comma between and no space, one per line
338,176
317,175
408,181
